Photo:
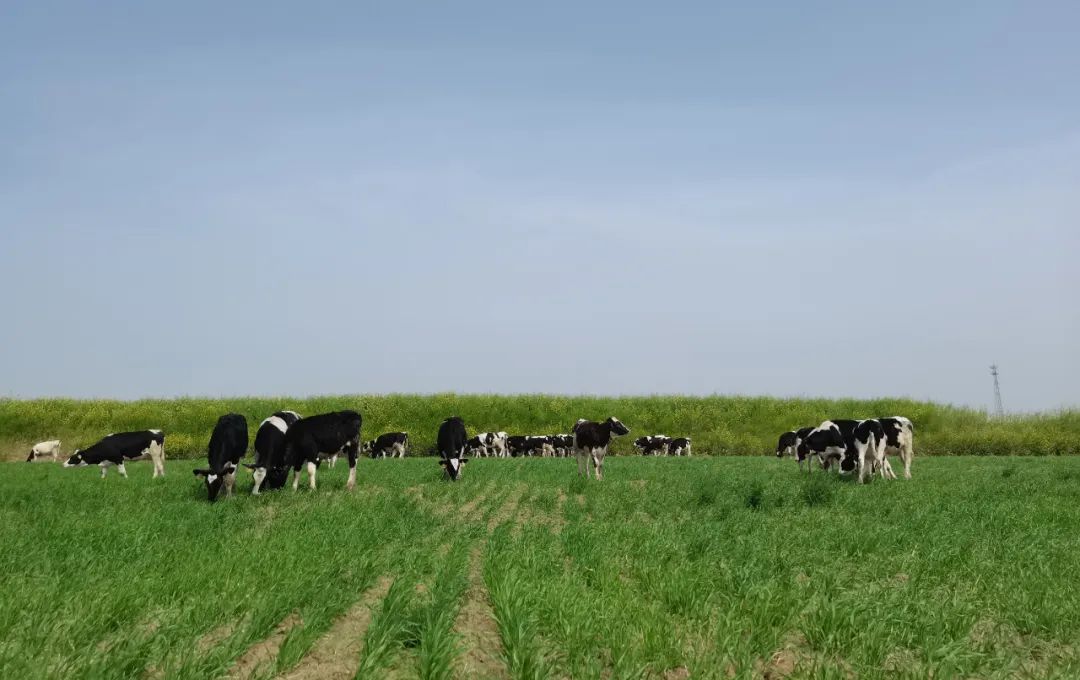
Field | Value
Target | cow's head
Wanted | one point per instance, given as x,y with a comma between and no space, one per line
76,460
367,447
785,446
213,482
642,442
452,467
617,427
30,458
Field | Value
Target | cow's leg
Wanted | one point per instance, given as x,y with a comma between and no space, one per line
352,449
907,452
311,468
582,465
122,470
296,475
862,462
259,474
598,463
104,465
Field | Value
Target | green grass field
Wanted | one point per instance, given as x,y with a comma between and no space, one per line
670,568
719,425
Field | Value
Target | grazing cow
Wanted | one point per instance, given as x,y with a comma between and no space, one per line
826,442
228,444
789,444
899,439
451,443
539,445
42,449
309,439
591,442
117,448
653,444
865,450
393,444
515,445
679,446
270,470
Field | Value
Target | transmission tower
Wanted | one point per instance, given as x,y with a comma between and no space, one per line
998,408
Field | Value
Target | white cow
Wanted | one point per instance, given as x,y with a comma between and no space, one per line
42,449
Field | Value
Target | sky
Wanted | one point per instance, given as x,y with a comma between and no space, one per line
777,198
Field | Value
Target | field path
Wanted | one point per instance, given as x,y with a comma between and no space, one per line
264,651
336,655
475,623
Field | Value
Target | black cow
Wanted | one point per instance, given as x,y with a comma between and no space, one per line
393,444
270,470
849,442
591,442
515,445
652,444
309,439
451,442
563,443
826,442
228,444
866,450
123,446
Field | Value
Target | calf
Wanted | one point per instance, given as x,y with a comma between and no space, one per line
451,442
270,464
679,446
653,445
865,449
393,444
789,444
228,444
591,442
899,439
117,448
319,436
42,449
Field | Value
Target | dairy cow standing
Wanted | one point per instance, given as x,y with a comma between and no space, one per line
270,470
591,441
451,442
228,444
315,437
117,448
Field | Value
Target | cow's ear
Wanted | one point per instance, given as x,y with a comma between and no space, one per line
200,473
442,461
464,460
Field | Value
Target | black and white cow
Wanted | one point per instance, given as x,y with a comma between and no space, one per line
899,439
490,444
858,445
653,444
451,443
392,444
826,442
228,444
591,441
270,470
789,444
679,446
42,449
315,437
117,448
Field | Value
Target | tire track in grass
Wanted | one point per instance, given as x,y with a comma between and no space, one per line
263,652
475,625
336,655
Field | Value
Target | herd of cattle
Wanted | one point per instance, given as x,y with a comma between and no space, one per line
287,441
860,445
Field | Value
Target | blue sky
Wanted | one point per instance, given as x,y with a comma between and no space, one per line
791,198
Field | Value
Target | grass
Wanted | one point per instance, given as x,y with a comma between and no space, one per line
717,567
718,425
